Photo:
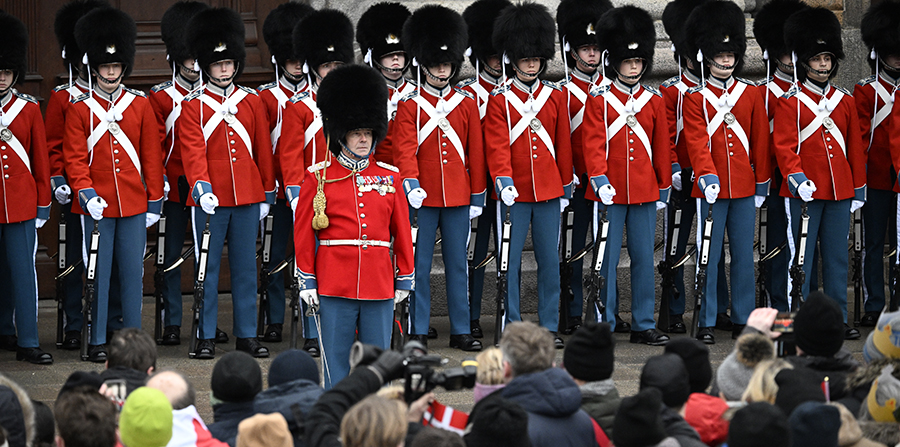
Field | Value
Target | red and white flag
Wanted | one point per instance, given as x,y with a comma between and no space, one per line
444,417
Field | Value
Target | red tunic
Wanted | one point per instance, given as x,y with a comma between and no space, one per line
673,91
276,95
578,88
166,100
480,90
882,155
25,183
304,145
384,152
55,126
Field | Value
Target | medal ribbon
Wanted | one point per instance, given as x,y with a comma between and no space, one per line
434,118
222,109
723,106
622,119
526,115
107,118
821,111
8,117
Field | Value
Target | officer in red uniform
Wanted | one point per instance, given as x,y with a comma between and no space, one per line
627,150
228,161
437,143
820,149
25,186
727,137
113,160
344,248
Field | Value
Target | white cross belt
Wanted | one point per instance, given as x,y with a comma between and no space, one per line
434,119
220,110
819,120
723,110
104,125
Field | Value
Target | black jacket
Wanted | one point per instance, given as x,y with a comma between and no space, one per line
227,416
293,400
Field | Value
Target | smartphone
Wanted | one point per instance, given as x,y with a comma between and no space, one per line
117,391
784,322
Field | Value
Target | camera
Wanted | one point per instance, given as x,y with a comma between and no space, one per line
420,376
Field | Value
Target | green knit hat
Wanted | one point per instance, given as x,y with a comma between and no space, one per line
146,419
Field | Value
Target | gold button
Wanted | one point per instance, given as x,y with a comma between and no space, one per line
362,216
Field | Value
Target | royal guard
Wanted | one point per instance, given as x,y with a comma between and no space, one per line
323,40
166,99
726,131
378,34
26,191
290,80
439,149
820,149
874,97
479,17
627,150
575,21
113,159
529,152
228,163
350,209
55,124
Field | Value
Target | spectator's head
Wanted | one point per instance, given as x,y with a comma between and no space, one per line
814,424
436,437
819,326
638,423
590,353
374,422
666,372
292,365
707,415
16,413
695,356
851,433
750,349
527,348
81,379
146,419
264,430
175,386
881,342
235,378
759,424
489,377
132,348
883,398
497,422
762,386
796,386
44,425
85,418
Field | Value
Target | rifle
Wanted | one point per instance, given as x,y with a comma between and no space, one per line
798,276
197,308
89,290
596,282
63,271
857,266
700,283
159,282
502,270
666,267
268,223
566,295
401,310
295,306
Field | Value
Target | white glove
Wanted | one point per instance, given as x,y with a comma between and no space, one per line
63,194
209,202
294,205
263,210
759,200
576,180
310,297
660,205
166,190
152,218
563,203
806,190
400,295
508,195
854,205
38,222
676,181
712,193
416,197
96,206
474,211
606,193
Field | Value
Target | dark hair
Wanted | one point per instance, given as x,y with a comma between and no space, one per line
44,425
132,348
85,418
436,437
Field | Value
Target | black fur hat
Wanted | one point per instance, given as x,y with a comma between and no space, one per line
880,29
353,97
813,31
436,34
324,36
278,27
769,25
480,17
107,36
576,21
217,34
627,32
380,28
172,26
673,18
64,27
716,27
525,30
14,36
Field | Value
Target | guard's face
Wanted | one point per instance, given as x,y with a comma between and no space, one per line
359,142
785,59
293,67
442,71
821,62
109,76
630,68
892,60
723,59
187,70
7,77
587,54
394,60
222,72
529,67
327,67
494,63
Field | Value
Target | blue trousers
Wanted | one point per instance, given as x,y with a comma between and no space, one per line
879,219
343,322
487,225
282,237
178,218
640,222
543,218
738,217
239,225
122,244
454,225
777,268
584,213
829,223
18,243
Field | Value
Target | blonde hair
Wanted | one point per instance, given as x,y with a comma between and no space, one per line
762,386
374,422
490,367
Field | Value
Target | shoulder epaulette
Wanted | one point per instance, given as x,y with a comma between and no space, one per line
79,98
466,82
465,93
25,97
410,95
160,87
196,94
412,82
791,92
500,89
318,166
387,166
695,89
135,92
268,86
841,89
764,81
299,96
599,90
670,82
248,90
866,81
653,90
745,81
61,87
551,84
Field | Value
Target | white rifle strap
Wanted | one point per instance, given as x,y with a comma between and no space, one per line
817,122
778,92
310,133
14,142
434,118
282,99
103,127
622,119
218,116
721,111
581,96
525,117
177,97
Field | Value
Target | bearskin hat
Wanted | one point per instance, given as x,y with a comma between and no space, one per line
525,30
813,31
673,18
479,17
435,34
278,27
324,36
14,36
575,21
880,29
353,97
380,27
627,32
172,26
107,36
716,27
64,27
769,25
217,34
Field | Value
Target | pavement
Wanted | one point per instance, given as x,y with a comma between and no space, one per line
43,382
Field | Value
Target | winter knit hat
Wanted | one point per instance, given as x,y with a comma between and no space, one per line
291,365
695,355
264,430
851,434
705,414
819,326
79,379
882,400
146,419
666,372
497,422
236,378
759,424
734,374
814,424
637,422
590,353
881,343
796,386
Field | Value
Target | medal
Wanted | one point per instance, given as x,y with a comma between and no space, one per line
535,124
729,118
393,115
114,128
5,135
828,123
444,124
229,118
631,121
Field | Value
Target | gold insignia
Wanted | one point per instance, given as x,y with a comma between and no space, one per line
330,48
590,29
726,39
392,39
220,47
111,49
444,47
633,46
